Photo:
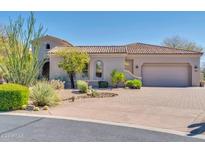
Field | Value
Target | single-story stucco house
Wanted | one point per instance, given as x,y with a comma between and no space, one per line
155,65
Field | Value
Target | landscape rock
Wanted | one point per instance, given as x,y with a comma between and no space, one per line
30,107
36,109
45,108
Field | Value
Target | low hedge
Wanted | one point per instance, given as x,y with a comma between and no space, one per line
135,84
13,96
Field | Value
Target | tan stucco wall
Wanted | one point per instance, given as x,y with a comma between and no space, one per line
43,51
192,60
55,71
111,62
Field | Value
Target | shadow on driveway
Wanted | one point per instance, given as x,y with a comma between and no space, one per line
198,128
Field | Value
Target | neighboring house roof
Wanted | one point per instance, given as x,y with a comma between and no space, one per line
63,42
137,49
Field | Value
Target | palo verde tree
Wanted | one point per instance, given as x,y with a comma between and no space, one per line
74,61
20,64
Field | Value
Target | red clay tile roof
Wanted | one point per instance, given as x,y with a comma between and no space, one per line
141,48
137,49
64,42
96,49
104,49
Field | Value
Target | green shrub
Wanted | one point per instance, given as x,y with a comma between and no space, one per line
13,96
92,92
57,84
82,86
129,83
24,107
136,84
44,94
102,84
117,77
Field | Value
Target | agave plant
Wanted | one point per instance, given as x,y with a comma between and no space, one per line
20,64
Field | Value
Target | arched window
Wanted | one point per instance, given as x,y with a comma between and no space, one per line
48,46
99,69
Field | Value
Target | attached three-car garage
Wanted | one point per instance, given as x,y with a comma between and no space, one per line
166,74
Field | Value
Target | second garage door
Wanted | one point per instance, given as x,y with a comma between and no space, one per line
170,75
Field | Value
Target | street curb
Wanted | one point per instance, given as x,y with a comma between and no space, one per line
109,123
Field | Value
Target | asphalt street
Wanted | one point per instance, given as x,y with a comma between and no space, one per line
22,128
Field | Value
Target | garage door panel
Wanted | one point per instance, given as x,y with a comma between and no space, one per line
166,75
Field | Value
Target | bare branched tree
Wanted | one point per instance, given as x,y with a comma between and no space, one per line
181,43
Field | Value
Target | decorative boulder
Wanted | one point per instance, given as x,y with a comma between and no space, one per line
30,107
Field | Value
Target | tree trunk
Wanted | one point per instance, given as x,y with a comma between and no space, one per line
72,80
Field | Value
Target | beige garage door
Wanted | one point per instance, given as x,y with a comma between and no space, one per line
178,75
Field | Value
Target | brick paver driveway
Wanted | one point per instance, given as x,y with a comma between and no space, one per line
168,108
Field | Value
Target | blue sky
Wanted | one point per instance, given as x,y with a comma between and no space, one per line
116,28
